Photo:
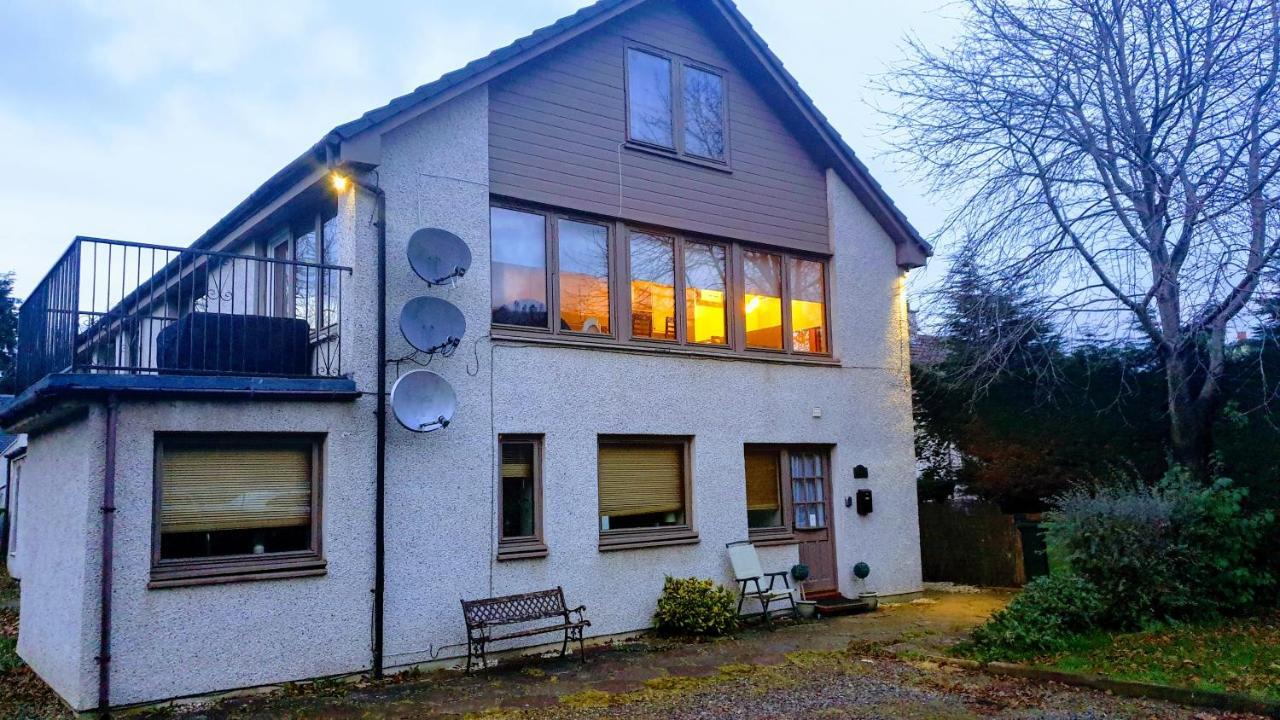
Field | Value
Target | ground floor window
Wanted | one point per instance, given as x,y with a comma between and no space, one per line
644,491
15,487
520,497
235,506
786,491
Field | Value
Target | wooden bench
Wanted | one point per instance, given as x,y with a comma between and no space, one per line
483,616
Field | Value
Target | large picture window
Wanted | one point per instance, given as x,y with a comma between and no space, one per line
644,488
540,255
653,287
662,288
236,507
519,270
583,276
691,122
762,296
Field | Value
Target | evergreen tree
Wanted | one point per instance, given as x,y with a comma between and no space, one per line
8,334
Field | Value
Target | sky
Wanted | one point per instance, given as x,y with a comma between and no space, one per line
148,120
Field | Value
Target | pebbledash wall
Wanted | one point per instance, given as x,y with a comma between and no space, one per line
441,502
441,487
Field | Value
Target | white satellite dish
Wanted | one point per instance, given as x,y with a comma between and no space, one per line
423,401
438,256
432,325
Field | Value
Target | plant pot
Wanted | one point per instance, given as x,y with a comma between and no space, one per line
870,599
807,609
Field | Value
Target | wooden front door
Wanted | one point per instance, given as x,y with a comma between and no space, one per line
810,481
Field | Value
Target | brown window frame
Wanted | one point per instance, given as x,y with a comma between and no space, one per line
239,568
277,290
620,322
636,538
785,534
525,546
551,241
678,64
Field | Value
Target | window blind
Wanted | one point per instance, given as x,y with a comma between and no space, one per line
517,460
762,480
641,479
206,489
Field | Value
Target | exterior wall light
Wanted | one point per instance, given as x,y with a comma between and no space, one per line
339,181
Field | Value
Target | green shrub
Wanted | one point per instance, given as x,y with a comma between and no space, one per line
1178,550
691,606
1043,619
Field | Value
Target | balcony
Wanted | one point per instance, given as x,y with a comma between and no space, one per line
110,308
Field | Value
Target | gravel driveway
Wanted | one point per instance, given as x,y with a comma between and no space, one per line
850,667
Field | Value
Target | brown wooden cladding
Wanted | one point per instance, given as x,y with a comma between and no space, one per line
557,136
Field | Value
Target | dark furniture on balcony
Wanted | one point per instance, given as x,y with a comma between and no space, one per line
234,344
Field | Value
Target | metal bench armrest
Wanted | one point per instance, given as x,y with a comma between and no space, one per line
578,611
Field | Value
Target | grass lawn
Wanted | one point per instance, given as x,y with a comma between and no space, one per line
1241,656
8,586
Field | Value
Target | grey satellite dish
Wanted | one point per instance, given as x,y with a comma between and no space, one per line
432,325
423,401
438,256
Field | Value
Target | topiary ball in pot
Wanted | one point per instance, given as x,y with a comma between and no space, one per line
693,606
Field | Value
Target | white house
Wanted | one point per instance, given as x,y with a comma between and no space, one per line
685,326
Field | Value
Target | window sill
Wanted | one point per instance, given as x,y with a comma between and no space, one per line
768,538
214,573
503,335
648,538
522,550
723,167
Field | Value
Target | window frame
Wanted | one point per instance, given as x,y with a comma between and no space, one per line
620,336
788,533
14,490
242,567
636,538
678,64
551,242
283,278
525,546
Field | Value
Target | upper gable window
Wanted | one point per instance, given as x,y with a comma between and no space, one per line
649,106
703,113
690,122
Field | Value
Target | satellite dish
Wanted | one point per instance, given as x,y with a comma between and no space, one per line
432,325
438,256
423,401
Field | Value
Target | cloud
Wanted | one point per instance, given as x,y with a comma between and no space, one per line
146,37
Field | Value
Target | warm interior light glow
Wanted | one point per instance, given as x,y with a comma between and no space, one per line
339,182
753,303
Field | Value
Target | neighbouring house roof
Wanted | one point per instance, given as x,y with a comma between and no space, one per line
504,59
14,446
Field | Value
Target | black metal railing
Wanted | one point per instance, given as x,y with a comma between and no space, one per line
119,307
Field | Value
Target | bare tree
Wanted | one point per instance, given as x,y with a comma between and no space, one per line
1119,156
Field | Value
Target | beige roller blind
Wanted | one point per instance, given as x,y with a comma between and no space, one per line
762,479
234,488
517,459
639,479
